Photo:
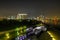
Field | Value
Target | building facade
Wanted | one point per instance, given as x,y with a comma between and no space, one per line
21,16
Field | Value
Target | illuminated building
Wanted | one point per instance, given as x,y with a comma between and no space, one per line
21,16
40,18
46,20
55,20
11,17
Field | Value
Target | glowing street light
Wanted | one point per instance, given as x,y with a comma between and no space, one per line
24,30
17,33
17,29
7,35
24,27
21,28
53,39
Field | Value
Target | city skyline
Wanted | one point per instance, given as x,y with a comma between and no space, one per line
33,8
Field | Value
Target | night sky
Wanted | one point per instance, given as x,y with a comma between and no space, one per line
33,8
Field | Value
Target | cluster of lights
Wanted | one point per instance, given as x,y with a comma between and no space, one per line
21,30
29,32
17,29
22,37
17,33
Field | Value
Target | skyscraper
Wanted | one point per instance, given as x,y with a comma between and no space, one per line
21,16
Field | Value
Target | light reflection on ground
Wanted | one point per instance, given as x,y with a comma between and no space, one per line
51,35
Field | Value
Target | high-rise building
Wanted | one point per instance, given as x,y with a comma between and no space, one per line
22,16
40,18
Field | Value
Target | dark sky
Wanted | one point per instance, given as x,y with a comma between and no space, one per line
48,8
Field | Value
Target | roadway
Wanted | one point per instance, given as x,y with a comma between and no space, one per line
51,34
